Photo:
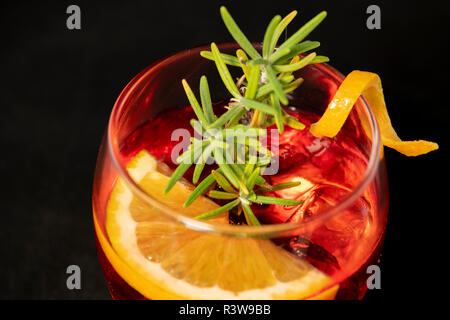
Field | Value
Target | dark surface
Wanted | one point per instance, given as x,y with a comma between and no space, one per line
58,88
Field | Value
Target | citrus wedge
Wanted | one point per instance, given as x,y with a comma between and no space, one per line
162,259
368,84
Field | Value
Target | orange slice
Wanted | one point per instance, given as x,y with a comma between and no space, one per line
162,259
368,84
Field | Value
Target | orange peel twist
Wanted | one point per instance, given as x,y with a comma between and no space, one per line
368,84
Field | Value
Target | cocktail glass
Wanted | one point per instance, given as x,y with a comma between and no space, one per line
339,234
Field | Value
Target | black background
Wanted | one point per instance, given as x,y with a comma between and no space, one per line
58,87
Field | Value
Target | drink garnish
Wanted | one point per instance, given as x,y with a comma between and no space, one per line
259,96
368,84
162,259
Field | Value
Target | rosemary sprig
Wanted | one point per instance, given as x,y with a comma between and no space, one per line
261,94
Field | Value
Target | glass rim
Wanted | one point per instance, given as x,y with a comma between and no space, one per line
268,230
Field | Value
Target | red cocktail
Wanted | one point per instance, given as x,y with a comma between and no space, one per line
318,249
